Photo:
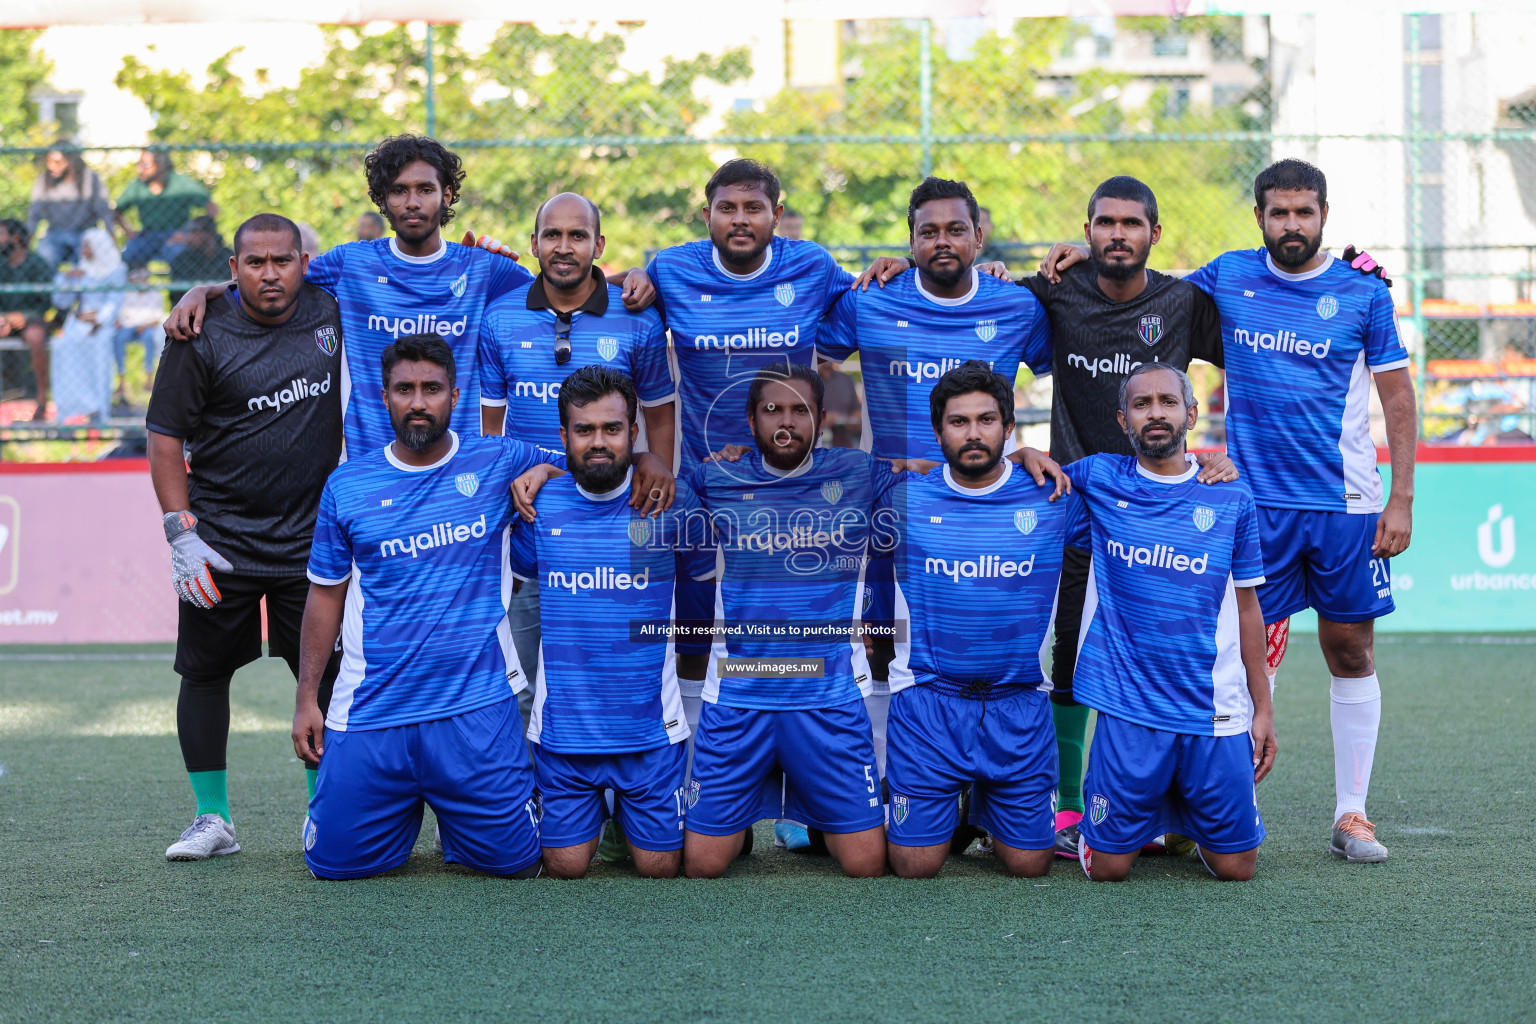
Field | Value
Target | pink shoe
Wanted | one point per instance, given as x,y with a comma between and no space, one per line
1066,833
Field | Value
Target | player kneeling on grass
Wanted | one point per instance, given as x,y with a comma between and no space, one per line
1172,649
978,556
407,565
607,711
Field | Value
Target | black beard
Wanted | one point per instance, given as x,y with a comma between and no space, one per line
1158,451
600,479
1277,253
1119,271
783,458
423,233
952,456
731,259
947,278
418,438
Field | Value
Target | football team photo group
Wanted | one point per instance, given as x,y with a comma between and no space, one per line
566,555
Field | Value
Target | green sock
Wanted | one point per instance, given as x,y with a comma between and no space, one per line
212,792
310,775
1071,736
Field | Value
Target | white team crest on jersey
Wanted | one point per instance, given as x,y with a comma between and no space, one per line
832,490
1205,518
459,285
607,347
785,293
1026,519
640,532
986,330
467,483
1327,306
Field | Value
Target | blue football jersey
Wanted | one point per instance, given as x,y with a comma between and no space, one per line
1299,349
517,358
976,574
607,678
1159,644
794,548
385,295
726,326
425,633
907,339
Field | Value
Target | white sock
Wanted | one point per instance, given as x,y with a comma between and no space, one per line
1356,715
692,708
879,707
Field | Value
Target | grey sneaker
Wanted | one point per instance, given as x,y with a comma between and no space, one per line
1354,839
208,836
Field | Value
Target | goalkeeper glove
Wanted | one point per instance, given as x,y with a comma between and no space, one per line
489,244
192,561
1365,263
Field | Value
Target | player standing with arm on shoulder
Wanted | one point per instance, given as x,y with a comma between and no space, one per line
1172,649
970,705
608,714
253,402
1305,333
408,565
415,281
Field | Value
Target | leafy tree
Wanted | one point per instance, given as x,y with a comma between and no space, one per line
22,69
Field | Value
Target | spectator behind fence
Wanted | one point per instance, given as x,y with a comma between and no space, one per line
990,251
369,226
70,198
26,313
138,319
165,201
203,256
82,350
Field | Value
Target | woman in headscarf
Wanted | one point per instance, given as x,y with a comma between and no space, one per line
82,351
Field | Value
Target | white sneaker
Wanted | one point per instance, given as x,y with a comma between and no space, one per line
1354,839
208,836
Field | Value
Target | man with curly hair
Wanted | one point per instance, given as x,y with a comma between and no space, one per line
411,283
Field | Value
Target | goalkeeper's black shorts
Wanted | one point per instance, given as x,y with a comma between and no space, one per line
212,643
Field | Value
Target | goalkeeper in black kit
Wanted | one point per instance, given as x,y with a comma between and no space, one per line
244,427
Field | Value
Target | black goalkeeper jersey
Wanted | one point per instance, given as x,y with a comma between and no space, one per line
260,409
1098,341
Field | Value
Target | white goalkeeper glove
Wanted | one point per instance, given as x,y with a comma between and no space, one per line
192,561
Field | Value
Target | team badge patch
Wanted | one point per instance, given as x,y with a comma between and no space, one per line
325,337
986,330
459,285
640,532
607,347
900,808
1026,519
1327,306
867,598
832,490
467,484
1150,329
785,293
309,834
1205,518
693,792
1098,809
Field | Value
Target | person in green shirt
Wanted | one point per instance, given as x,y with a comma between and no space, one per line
25,314
165,201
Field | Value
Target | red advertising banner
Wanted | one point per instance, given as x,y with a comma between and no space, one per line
82,555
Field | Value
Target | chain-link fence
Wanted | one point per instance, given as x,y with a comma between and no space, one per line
1423,123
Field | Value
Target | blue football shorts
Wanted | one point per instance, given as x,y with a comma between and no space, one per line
941,740
1322,561
649,790
471,769
816,767
1143,783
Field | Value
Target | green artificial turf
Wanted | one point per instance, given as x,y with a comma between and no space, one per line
96,925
